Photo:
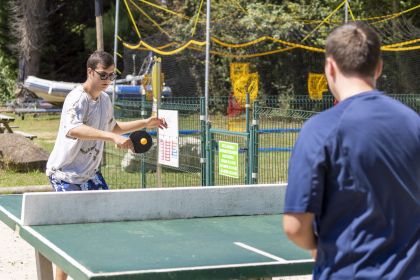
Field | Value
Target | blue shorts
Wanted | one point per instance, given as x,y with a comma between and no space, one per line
96,183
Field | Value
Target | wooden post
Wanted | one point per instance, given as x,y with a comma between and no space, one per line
99,25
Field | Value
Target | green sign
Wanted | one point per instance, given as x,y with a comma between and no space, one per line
228,159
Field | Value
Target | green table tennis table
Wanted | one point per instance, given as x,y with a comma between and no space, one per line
216,246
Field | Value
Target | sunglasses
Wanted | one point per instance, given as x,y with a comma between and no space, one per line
104,76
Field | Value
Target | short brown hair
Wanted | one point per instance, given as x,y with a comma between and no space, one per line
99,57
355,47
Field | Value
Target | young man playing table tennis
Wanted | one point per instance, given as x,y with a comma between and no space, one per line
354,176
87,120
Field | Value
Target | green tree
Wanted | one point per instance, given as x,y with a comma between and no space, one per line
8,65
68,36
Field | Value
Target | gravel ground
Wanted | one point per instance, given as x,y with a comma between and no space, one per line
17,258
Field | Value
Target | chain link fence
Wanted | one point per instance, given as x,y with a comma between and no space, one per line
277,125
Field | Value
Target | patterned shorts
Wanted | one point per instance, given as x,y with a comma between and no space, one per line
96,183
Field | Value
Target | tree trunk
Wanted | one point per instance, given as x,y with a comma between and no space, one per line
29,26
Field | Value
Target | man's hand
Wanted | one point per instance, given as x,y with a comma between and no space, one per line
123,142
153,122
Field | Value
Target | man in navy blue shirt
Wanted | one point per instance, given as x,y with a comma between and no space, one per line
353,195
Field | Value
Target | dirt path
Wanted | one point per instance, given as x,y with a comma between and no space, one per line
17,258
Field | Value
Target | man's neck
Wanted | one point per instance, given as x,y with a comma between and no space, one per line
353,86
91,91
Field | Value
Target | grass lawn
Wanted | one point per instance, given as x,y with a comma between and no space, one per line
45,127
272,165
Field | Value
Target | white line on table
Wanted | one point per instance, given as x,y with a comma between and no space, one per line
258,251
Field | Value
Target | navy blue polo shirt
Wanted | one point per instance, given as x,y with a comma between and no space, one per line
356,166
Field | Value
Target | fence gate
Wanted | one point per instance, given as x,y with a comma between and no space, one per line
230,156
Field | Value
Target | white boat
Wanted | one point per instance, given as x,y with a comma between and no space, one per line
51,91
55,92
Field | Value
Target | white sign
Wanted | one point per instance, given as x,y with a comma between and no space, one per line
168,151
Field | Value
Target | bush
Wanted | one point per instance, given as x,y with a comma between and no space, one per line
7,80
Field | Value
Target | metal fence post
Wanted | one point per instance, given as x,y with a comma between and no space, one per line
203,149
210,157
249,153
143,114
255,144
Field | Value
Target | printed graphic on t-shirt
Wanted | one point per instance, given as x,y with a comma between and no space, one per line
93,151
72,114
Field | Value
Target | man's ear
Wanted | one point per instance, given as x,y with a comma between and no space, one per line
330,70
378,70
89,71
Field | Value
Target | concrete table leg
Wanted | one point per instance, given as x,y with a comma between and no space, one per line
43,267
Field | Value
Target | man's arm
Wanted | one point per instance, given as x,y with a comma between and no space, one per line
85,132
126,127
298,228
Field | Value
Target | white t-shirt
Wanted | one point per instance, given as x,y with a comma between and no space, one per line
74,160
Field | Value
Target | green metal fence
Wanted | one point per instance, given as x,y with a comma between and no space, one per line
265,136
277,132
123,169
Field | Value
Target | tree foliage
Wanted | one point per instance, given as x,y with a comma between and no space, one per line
8,63
67,34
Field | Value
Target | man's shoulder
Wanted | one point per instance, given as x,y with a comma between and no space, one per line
376,106
346,110
324,121
75,94
400,107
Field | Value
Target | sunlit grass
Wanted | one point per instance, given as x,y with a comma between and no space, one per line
272,166
45,127
10,178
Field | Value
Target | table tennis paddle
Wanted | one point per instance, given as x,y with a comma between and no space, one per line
142,141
